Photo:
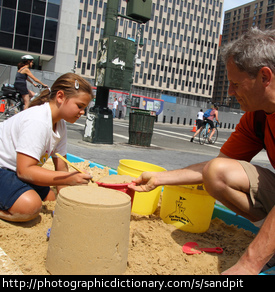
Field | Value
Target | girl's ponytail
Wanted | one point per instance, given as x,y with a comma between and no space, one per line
43,97
70,83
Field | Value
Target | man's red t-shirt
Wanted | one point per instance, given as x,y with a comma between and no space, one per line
243,144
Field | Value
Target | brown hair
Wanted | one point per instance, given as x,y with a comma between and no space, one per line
70,83
23,63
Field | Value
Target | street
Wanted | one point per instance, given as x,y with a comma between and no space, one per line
170,147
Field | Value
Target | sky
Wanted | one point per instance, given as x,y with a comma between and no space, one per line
230,4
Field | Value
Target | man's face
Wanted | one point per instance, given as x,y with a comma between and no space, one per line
248,91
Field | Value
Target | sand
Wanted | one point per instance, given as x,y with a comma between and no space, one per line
116,179
155,248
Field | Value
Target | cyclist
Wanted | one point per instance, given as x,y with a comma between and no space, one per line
209,120
24,74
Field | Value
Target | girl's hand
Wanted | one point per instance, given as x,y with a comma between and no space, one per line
77,178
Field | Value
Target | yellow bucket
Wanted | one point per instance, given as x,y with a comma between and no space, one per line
188,208
144,203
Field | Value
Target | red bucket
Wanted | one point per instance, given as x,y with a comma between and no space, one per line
119,187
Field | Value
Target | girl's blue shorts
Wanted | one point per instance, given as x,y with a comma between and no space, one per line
11,188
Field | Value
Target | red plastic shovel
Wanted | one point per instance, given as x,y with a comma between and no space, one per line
189,248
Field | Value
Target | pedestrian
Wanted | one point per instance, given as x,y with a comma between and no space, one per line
115,104
199,119
247,189
22,76
209,120
29,138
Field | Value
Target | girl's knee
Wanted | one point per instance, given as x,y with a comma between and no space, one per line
26,207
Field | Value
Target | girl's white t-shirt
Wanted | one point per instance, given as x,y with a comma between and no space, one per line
31,132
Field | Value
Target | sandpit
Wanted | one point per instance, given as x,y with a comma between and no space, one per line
155,248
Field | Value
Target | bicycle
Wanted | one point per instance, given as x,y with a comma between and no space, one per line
205,134
12,100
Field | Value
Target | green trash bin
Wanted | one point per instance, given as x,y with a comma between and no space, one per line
141,125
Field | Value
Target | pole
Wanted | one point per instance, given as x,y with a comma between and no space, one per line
102,93
111,18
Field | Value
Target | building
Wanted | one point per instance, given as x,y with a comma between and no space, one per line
237,21
45,29
180,44
177,58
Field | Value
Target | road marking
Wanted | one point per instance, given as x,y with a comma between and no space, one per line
159,132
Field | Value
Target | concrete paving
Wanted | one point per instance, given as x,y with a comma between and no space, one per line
187,154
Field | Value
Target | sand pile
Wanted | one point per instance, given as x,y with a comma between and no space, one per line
154,246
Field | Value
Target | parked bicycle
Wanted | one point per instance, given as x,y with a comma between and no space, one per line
12,100
205,134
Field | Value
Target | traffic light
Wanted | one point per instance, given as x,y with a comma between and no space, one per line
139,10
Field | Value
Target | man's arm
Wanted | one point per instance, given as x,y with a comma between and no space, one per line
259,252
186,176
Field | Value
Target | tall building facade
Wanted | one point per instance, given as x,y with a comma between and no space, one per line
180,45
177,49
259,13
45,29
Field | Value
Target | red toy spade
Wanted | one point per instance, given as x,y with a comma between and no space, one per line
189,248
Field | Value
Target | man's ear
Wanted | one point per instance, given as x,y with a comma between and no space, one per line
266,75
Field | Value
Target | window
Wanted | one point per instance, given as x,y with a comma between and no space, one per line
92,35
53,10
85,48
48,48
83,68
23,23
6,39
25,5
93,70
7,21
95,50
82,34
35,45
37,23
79,19
50,30
89,21
9,3
21,43
89,61
28,25
79,59
144,78
38,7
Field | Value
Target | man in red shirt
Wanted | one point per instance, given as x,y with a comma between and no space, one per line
246,189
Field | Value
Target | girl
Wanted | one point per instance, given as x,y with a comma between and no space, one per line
29,138
23,74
